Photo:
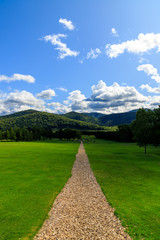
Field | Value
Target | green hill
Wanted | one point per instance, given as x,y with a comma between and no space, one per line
104,119
81,116
94,114
74,120
19,114
31,118
117,118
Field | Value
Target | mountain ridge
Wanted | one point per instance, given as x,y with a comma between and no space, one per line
33,118
113,119
82,121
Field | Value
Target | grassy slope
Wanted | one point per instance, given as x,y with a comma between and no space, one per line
131,183
32,174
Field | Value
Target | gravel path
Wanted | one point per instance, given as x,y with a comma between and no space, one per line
81,211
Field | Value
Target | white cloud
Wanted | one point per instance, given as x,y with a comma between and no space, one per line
116,98
115,95
154,102
75,96
150,70
64,51
59,108
17,77
104,99
107,99
94,53
19,101
67,23
23,98
47,94
114,32
142,44
62,89
76,101
150,89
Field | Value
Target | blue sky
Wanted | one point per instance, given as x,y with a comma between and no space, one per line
86,56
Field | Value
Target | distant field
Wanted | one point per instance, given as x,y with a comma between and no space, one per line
32,174
131,182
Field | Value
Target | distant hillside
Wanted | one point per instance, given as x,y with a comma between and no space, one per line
31,118
81,116
104,119
117,118
94,114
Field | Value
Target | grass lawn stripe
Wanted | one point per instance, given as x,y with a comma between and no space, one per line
130,180
32,175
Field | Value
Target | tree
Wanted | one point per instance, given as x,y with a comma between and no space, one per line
156,130
12,135
7,135
143,127
124,133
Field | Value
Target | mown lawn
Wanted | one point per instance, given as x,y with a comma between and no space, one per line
131,182
32,174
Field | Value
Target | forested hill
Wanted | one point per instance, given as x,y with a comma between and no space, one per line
117,118
103,119
81,116
32,118
74,120
19,114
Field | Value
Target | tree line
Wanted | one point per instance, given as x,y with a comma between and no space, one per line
26,134
144,130
38,133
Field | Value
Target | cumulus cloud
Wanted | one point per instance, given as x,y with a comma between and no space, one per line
94,53
114,32
142,44
74,102
64,51
76,95
150,70
107,99
154,102
59,108
17,77
23,98
46,94
150,89
19,101
67,23
104,99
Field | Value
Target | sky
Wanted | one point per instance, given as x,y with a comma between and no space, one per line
59,56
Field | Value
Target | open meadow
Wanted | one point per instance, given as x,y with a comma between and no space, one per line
32,174
130,181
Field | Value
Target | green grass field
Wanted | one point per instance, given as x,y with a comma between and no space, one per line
131,182
32,174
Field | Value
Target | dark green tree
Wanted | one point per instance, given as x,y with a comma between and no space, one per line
13,134
8,135
143,127
124,133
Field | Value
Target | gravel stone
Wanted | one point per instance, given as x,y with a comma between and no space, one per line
81,210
